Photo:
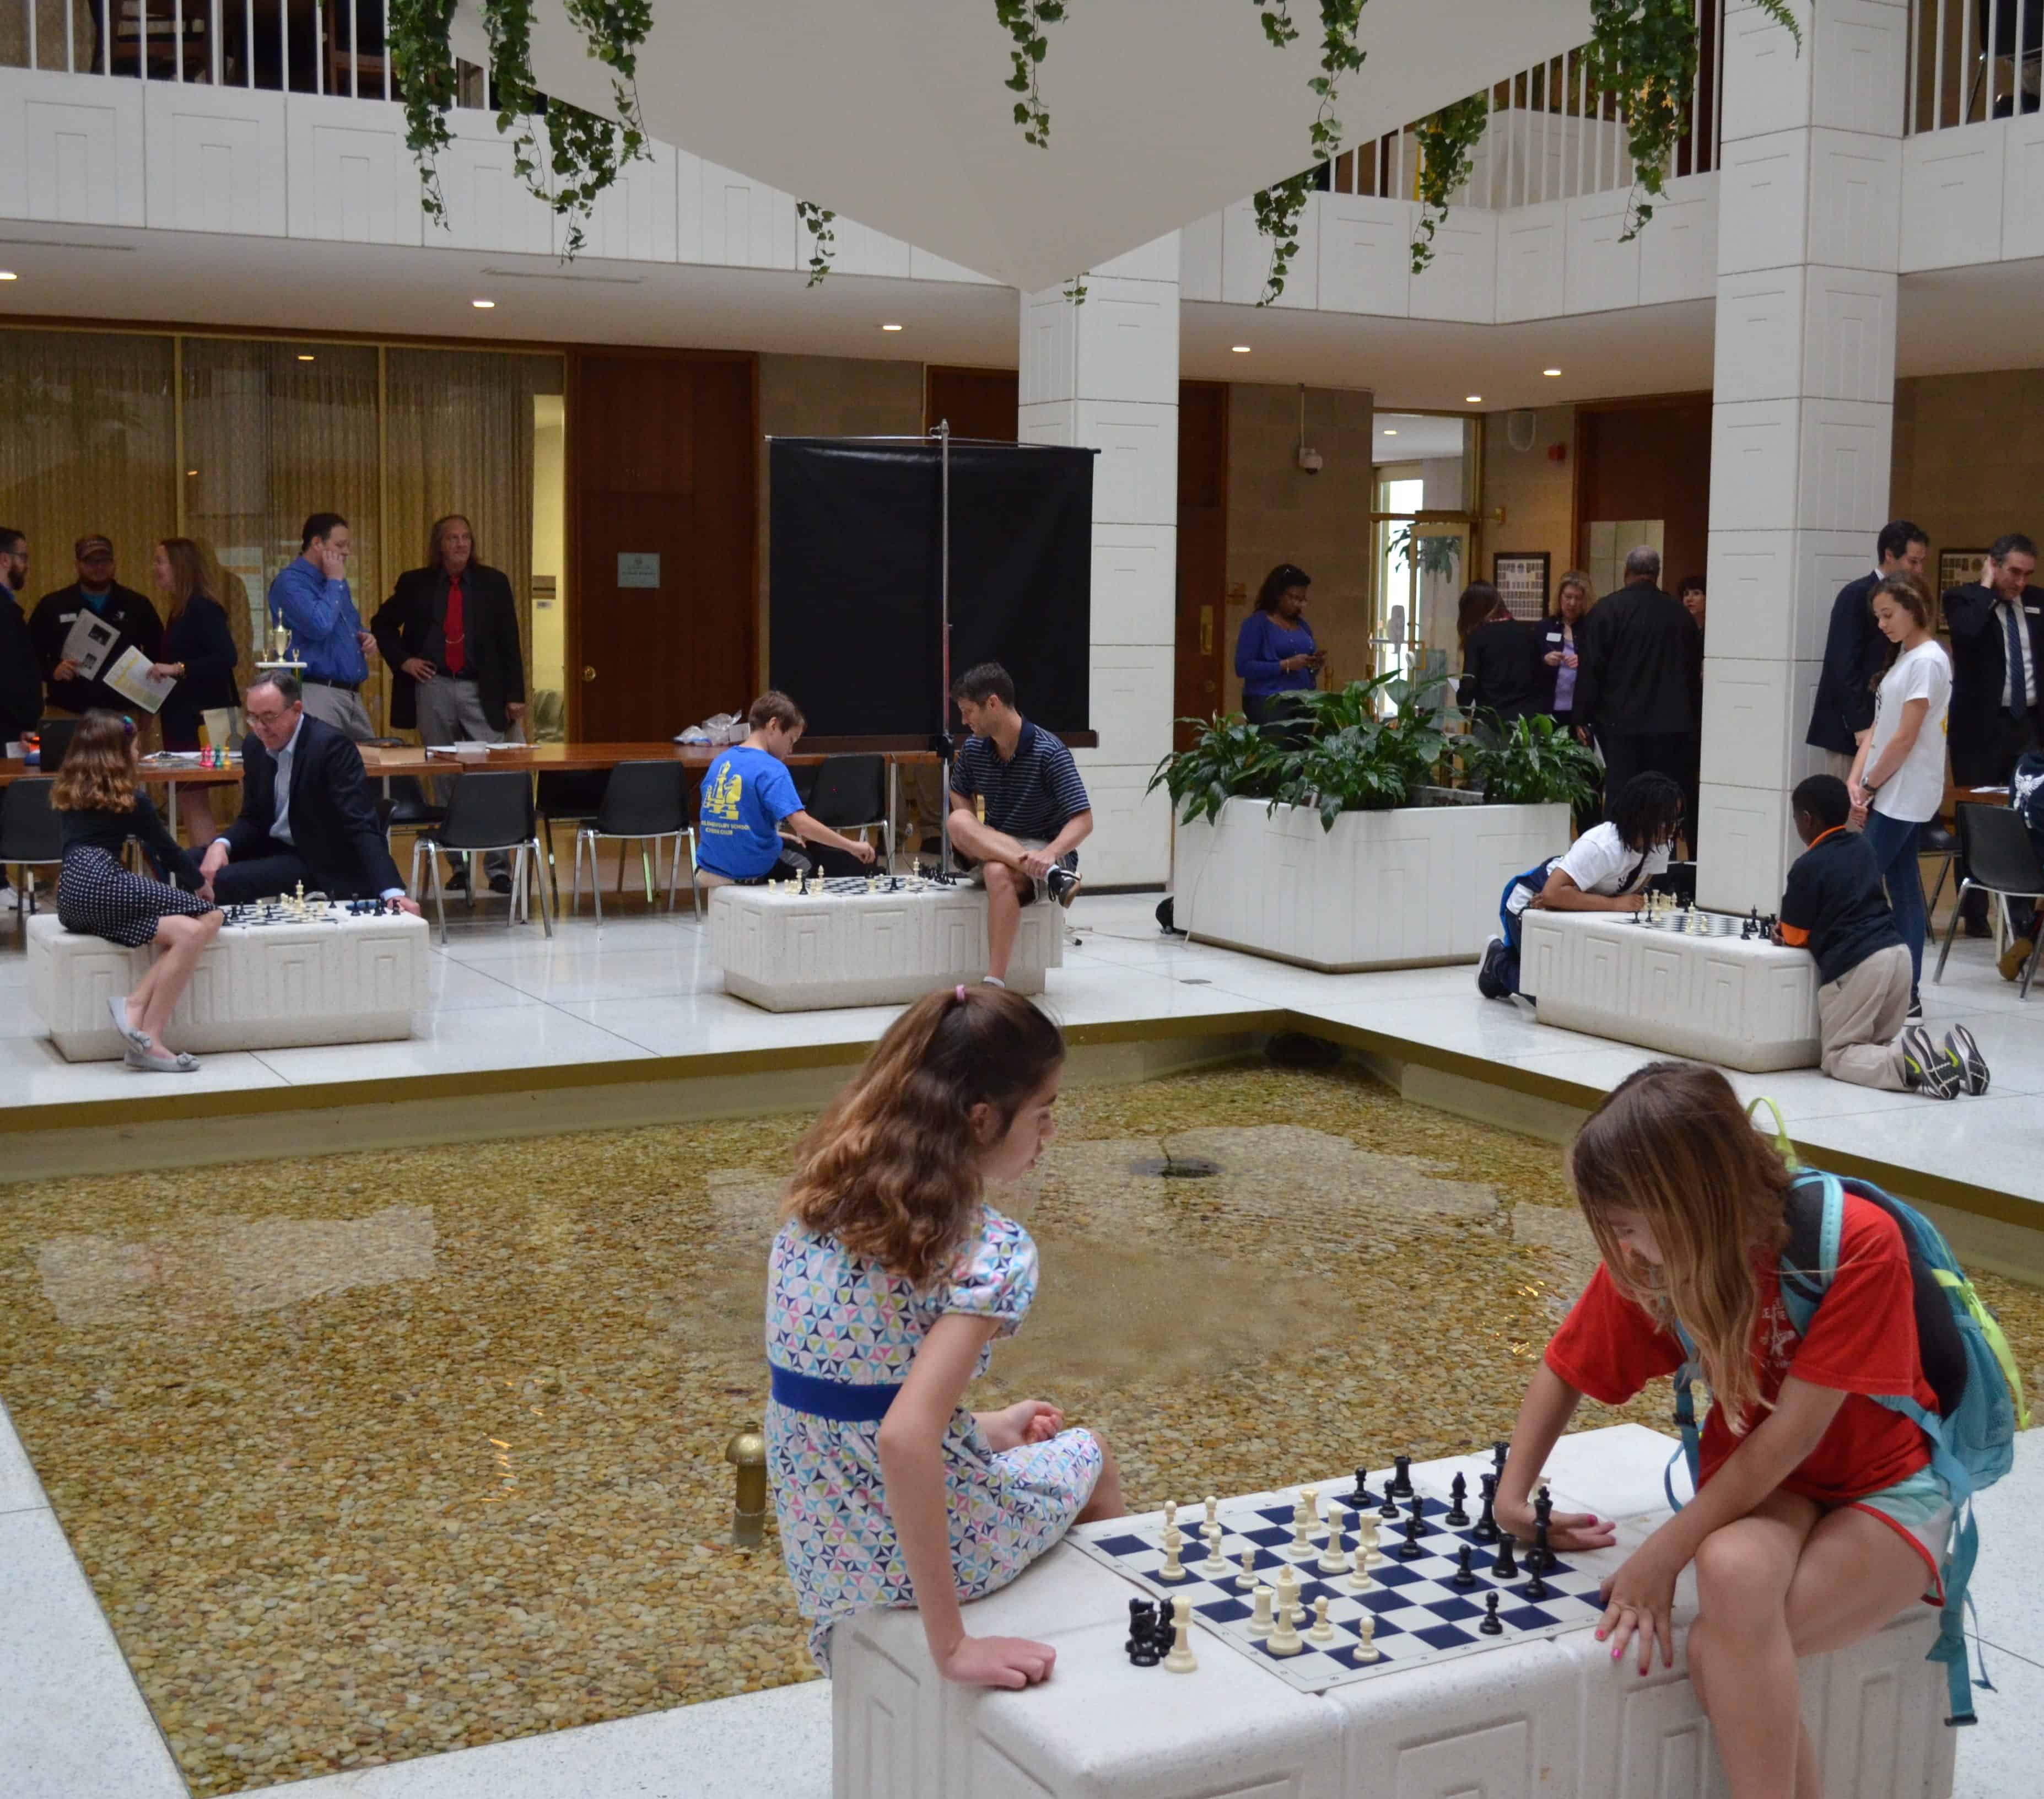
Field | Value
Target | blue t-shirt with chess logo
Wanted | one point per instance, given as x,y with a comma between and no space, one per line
745,795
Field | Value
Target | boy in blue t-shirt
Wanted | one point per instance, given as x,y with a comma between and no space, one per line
748,795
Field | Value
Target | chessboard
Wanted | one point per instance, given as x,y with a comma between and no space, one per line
836,886
1688,922
291,910
1425,1609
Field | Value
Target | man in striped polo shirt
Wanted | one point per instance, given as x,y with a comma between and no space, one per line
1019,808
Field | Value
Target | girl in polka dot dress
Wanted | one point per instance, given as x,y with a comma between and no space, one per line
888,1285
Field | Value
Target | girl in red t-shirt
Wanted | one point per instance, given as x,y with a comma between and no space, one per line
1817,1513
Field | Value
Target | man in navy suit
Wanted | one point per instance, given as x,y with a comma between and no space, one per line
1855,650
306,811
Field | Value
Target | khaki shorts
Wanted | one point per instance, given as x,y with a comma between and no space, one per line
976,873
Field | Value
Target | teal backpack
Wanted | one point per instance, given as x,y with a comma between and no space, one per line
1966,1362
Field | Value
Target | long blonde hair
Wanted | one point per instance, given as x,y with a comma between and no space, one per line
1672,1144
98,772
892,1169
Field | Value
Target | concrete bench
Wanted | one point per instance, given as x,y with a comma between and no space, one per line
797,952
334,979
1741,1003
1549,1716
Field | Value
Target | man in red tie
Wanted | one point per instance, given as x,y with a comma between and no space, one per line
449,632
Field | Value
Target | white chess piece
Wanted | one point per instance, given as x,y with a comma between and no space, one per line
1310,1497
1213,1509
1179,1661
1285,1637
1173,1569
1302,1530
1334,1559
1170,1514
1366,1555
1365,1647
1215,1567
1322,1631
1246,1580
1261,1624
1289,1607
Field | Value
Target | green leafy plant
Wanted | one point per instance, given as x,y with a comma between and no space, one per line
817,221
1644,52
1025,20
422,65
1278,207
1446,141
1536,763
1228,759
1433,553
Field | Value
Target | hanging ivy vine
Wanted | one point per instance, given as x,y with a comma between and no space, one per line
1278,207
1644,52
1025,20
823,241
1446,141
585,153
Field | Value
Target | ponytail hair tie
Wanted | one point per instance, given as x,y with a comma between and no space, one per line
957,993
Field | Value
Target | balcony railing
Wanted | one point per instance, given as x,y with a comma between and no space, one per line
1973,60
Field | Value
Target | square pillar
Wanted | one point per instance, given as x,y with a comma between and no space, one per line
1809,225
1105,373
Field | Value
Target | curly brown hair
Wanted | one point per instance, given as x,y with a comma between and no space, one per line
1672,1143
98,772
892,1169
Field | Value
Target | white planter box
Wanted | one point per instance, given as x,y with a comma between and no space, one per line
1740,1003
1402,889
344,978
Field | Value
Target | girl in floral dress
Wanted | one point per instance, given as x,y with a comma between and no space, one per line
888,1285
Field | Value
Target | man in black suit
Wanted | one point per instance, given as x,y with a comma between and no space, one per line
1855,652
449,632
306,812
1639,671
96,591
21,680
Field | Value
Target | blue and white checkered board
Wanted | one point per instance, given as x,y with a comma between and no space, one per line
1420,1618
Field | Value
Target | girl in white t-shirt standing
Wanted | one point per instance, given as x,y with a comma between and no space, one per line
1898,777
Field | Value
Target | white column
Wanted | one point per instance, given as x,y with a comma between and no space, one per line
1105,373
1809,223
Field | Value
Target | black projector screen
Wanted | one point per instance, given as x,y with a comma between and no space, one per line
856,597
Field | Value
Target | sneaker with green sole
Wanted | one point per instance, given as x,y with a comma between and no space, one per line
1928,1070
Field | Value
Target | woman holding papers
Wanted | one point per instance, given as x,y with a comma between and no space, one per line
198,654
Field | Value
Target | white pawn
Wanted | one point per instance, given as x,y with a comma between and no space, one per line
1179,1661
1285,1637
1322,1631
1246,1580
1262,1624
1213,1511
1365,1647
1170,1514
1215,1567
1173,1569
1334,1559
1289,1607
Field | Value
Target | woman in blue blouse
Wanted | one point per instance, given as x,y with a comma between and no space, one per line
1275,655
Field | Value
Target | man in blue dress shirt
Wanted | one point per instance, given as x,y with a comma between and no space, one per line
310,596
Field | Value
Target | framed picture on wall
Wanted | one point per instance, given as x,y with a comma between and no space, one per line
1521,577
1958,567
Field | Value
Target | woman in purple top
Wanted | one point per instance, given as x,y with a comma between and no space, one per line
1275,655
1558,631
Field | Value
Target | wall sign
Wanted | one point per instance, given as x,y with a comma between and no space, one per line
638,568
1521,577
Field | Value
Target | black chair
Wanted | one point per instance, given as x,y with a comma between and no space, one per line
31,835
1937,838
567,796
2001,860
646,801
405,806
488,811
53,737
851,797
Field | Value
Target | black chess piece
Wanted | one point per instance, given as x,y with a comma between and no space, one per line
1357,1500
1458,1492
1389,1508
1504,1564
1164,1632
1535,1588
1401,1477
1465,1575
1409,1551
1498,1452
1490,1626
1542,1560
1486,1530
1143,1654
1141,1620
1418,1509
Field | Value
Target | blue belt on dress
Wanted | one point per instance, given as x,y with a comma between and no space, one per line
841,1401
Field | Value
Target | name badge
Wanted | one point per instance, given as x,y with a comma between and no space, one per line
66,618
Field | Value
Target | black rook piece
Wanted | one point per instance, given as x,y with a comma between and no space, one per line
1458,1492
1505,1565
1401,1477
1490,1627
1465,1575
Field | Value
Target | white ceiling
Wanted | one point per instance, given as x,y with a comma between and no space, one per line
894,112
1415,436
1960,320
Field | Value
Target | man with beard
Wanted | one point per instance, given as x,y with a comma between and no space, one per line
20,674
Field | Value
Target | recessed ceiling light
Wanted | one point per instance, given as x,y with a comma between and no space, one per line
9,274
1550,371
1241,349
482,306
1391,434
1474,399
308,358
890,327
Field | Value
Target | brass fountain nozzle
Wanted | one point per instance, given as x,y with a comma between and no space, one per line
747,1453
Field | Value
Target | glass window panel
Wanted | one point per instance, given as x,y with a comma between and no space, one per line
90,445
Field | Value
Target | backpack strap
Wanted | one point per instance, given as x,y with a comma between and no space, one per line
1691,1450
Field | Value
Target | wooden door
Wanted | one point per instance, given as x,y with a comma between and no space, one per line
979,403
664,461
1199,688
